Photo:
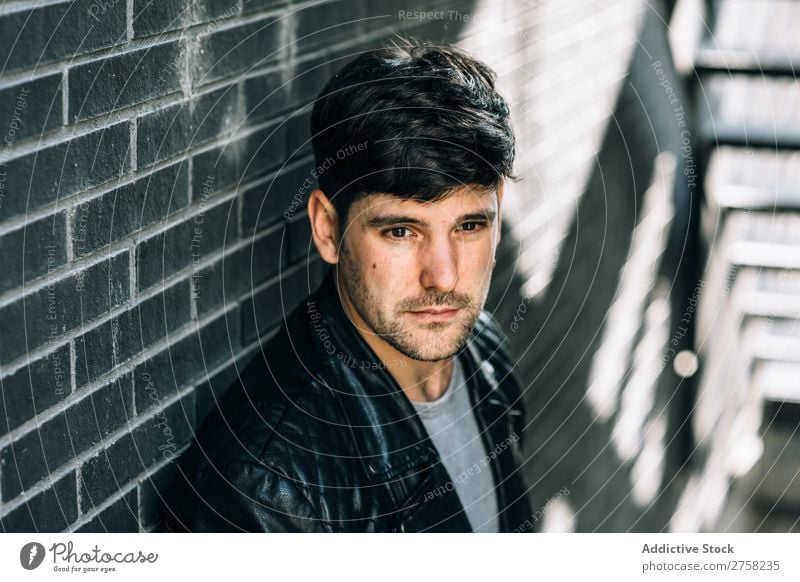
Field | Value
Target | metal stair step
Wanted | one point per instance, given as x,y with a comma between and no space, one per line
742,110
759,37
754,178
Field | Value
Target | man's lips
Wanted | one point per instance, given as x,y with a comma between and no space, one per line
435,314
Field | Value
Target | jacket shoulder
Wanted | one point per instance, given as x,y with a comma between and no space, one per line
255,463
283,420
258,469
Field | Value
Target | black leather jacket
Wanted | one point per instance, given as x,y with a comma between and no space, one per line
316,436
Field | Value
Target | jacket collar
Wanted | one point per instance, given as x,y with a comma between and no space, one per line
390,437
385,427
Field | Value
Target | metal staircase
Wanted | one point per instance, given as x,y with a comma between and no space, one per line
747,411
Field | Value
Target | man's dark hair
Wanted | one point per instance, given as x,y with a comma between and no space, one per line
428,119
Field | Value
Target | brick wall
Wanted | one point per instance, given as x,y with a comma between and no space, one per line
152,225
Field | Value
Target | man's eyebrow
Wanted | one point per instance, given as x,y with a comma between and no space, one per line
391,219
485,215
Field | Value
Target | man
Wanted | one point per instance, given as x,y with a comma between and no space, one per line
386,401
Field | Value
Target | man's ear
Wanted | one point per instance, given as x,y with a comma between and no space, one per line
324,226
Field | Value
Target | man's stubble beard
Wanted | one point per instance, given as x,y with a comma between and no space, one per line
391,328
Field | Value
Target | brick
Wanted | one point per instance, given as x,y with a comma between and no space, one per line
184,363
94,353
34,388
152,18
328,23
34,105
60,32
298,132
116,341
119,517
101,413
52,510
222,283
220,165
389,20
63,305
156,318
213,12
250,6
83,425
263,151
153,491
266,257
285,193
187,243
300,246
33,250
127,209
245,158
265,96
309,78
64,169
172,130
205,190
368,44
124,80
156,440
260,313
234,51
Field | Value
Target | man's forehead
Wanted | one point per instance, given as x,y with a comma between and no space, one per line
467,196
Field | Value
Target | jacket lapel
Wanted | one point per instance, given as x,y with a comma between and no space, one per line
491,412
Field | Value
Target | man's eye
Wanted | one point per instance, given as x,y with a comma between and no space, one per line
398,232
471,226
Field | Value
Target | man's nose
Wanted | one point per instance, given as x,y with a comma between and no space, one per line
439,264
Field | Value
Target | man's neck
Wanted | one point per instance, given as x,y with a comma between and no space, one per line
423,381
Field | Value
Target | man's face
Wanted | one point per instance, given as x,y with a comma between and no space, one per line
417,273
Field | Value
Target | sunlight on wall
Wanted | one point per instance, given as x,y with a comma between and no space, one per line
559,129
610,363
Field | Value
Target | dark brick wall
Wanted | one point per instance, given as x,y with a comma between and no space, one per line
151,150
151,154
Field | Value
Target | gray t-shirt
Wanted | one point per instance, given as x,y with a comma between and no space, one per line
452,427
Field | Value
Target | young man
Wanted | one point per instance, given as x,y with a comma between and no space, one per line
386,402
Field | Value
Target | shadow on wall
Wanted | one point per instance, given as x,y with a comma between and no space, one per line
597,344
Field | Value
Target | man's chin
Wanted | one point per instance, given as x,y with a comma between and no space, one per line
431,346
424,356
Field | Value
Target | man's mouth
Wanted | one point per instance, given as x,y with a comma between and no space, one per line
438,314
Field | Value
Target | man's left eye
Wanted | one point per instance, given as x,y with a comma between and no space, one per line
398,232
471,226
